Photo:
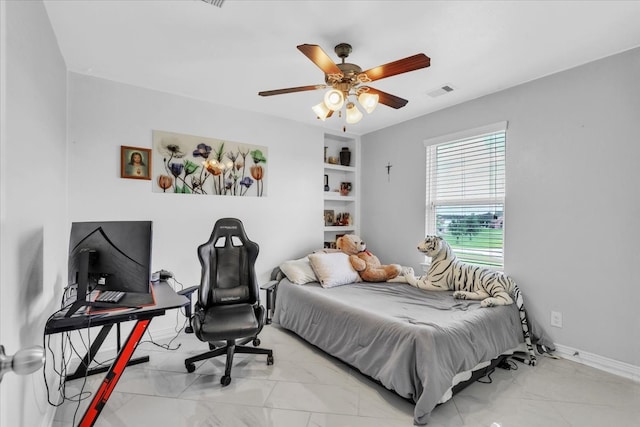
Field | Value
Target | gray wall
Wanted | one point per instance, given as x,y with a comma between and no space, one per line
33,200
572,202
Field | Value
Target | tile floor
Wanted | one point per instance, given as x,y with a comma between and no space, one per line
307,388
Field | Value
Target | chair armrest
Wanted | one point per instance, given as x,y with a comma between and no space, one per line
271,287
188,292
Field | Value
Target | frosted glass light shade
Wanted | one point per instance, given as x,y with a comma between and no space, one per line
369,101
353,114
321,111
334,99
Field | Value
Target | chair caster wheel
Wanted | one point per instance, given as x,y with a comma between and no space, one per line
190,367
225,380
269,360
256,342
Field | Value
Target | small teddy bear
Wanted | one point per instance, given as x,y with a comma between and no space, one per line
364,262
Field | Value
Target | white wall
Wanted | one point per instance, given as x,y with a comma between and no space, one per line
33,199
103,115
572,229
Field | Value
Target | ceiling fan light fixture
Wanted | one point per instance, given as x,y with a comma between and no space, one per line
353,114
334,99
368,101
321,110
345,79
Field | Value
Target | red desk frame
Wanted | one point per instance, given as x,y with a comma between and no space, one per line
114,374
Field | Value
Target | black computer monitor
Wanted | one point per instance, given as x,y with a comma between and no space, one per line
110,255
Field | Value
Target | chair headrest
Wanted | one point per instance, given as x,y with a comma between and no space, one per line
228,228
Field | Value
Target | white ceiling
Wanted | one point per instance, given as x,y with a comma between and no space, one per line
227,55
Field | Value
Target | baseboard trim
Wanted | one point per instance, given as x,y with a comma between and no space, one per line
50,415
606,364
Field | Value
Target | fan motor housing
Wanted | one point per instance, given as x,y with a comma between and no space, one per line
349,69
350,73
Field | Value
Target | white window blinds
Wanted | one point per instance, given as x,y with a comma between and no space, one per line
465,193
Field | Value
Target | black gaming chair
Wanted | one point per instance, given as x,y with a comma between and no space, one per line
228,307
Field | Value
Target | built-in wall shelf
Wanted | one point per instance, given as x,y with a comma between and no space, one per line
340,228
331,166
336,204
334,195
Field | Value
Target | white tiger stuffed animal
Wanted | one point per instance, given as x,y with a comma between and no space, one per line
471,282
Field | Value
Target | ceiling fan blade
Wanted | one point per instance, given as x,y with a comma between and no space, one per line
320,58
388,99
400,66
290,90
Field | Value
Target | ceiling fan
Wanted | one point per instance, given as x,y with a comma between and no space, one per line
347,80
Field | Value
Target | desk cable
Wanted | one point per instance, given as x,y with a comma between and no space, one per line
66,346
176,328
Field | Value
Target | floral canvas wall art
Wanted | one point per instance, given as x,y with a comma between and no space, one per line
190,164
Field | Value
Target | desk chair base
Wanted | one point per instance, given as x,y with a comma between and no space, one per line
230,349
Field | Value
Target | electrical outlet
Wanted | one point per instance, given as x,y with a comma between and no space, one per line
556,319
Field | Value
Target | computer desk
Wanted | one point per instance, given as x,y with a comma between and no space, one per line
165,299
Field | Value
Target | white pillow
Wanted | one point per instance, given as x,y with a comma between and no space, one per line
333,269
298,271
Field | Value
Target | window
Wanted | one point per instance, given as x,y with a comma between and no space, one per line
465,193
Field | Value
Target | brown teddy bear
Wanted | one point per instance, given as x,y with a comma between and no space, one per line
364,262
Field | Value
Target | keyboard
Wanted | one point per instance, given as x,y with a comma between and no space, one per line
110,296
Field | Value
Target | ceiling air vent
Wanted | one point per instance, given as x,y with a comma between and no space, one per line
214,2
441,91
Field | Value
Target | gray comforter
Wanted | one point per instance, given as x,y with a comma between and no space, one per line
412,341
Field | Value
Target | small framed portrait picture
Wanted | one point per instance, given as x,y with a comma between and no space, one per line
135,163
329,217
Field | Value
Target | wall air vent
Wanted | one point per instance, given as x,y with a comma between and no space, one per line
442,90
214,2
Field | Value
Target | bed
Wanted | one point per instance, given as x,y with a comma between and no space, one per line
417,343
